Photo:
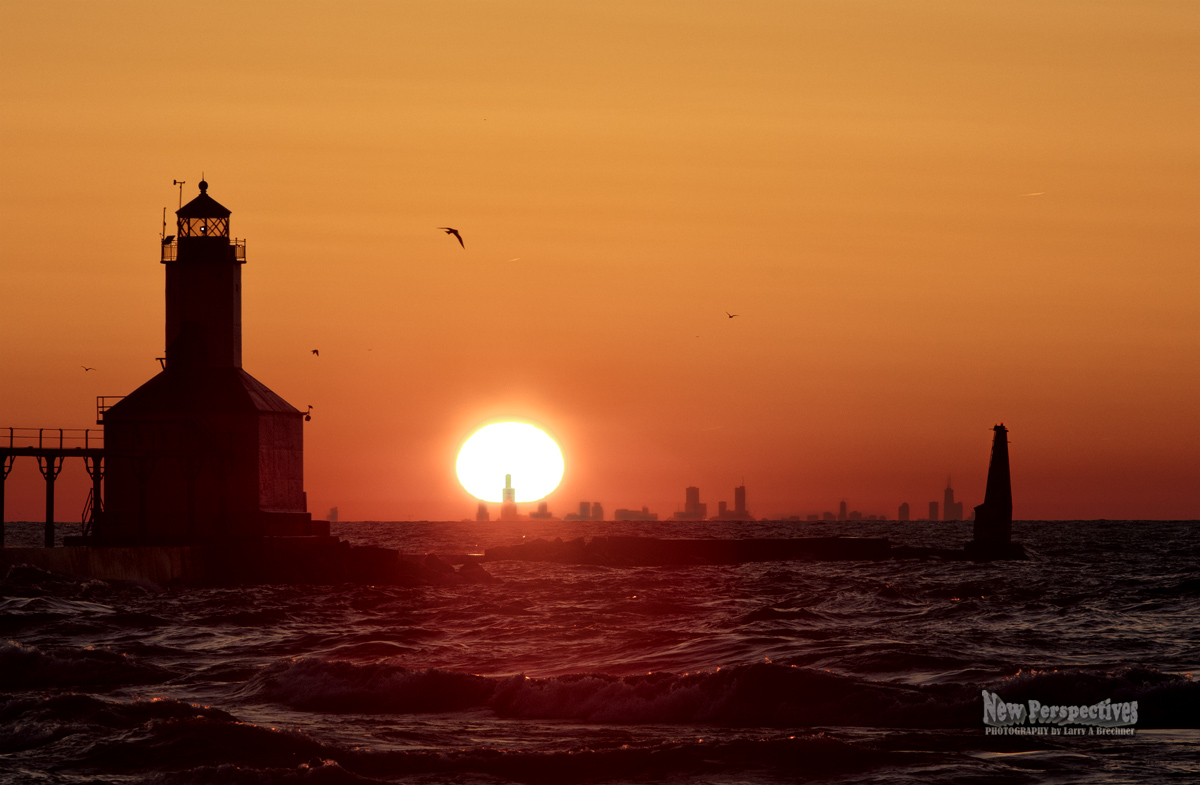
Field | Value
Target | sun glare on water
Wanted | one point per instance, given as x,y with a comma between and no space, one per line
516,448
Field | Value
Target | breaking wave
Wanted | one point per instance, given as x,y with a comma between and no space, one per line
763,694
28,667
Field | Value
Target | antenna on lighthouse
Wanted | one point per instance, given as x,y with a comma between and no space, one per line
180,183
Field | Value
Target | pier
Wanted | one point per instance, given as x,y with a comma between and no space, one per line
51,447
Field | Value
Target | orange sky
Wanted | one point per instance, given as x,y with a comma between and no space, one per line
851,178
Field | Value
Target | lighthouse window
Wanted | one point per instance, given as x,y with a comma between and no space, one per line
204,227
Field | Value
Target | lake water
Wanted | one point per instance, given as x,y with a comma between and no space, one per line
856,672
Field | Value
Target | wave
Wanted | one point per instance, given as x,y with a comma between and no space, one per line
341,686
209,749
762,694
1165,700
317,772
29,667
30,722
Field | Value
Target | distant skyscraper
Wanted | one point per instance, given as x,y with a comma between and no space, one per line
508,507
842,511
588,511
543,512
739,511
903,516
951,510
693,508
933,511
481,513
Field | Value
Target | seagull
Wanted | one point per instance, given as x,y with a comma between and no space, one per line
316,352
449,230
84,367
731,315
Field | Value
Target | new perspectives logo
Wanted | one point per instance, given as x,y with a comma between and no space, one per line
1039,719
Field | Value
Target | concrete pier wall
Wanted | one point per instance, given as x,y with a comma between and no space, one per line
159,564
318,560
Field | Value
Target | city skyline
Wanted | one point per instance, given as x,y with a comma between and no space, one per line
692,508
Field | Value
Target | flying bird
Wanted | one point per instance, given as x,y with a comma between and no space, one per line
731,315
316,352
84,367
457,236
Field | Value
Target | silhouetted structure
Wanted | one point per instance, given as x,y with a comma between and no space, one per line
588,511
933,511
635,515
951,510
903,514
739,511
543,512
508,504
842,510
993,518
481,512
51,446
693,508
203,451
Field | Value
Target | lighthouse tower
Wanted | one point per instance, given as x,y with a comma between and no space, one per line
993,518
203,452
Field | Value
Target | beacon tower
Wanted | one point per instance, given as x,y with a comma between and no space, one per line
203,452
993,518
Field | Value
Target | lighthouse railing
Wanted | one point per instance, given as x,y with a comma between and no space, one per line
103,404
57,439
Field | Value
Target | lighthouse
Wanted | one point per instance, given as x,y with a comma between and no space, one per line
203,452
993,519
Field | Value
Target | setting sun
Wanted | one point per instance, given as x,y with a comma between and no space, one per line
510,448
